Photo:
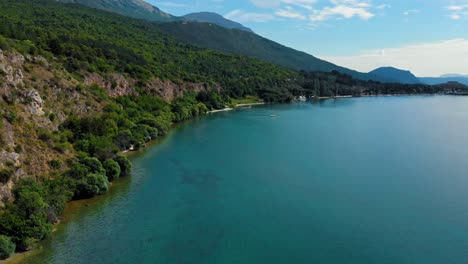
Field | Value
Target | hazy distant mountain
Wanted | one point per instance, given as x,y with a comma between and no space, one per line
453,75
395,74
131,8
440,80
217,19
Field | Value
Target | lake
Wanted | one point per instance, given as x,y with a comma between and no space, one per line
362,180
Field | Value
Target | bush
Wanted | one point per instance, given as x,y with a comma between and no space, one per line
55,164
78,171
10,116
94,165
7,247
5,175
112,169
92,185
125,166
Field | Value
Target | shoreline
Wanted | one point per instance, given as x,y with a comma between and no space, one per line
235,107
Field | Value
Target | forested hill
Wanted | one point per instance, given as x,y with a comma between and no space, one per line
90,40
398,75
219,36
253,45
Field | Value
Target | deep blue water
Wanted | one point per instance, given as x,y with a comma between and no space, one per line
365,180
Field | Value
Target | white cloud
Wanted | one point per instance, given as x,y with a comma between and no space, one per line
424,60
410,12
342,9
306,4
289,12
458,11
383,6
242,16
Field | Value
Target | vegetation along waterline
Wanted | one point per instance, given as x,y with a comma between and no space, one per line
78,86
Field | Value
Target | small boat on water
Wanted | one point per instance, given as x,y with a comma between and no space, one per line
273,115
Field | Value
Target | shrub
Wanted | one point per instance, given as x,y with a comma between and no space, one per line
92,185
5,175
55,164
52,117
7,247
125,166
10,116
78,171
112,169
94,165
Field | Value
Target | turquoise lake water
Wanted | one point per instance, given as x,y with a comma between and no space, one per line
364,180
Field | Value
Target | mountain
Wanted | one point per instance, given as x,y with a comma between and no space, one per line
441,80
223,39
209,17
451,75
395,74
131,8
255,46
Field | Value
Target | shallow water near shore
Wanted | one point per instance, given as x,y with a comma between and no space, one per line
361,180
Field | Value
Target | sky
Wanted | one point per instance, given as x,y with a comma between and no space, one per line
428,37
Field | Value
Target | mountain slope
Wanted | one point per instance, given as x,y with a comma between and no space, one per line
226,40
253,45
208,17
440,80
396,74
132,8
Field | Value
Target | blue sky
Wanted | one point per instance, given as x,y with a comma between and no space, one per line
428,37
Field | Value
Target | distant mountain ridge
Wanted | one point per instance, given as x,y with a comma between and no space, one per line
397,75
131,8
403,76
440,80
453,75
209,17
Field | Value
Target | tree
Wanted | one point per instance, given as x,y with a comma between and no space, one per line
92,185
94,165
112,169
125,166
7,247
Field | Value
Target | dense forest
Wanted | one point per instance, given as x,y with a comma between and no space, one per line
88,40
78,41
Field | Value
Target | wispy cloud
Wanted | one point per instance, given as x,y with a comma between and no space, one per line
424,59
289,12
343,9
307,10
242,16
458,11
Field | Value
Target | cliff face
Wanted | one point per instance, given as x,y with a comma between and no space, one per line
117,85
36,96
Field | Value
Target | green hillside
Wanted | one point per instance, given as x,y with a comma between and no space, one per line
100,42
219,36
253,45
